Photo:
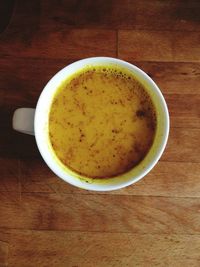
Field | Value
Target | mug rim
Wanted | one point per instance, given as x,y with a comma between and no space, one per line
38,126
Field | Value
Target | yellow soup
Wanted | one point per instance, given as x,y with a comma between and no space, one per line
102,122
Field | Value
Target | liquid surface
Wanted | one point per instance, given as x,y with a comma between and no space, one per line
101,123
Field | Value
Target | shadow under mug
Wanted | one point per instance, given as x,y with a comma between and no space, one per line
35,122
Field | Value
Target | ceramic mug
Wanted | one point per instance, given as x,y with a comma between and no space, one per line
35,121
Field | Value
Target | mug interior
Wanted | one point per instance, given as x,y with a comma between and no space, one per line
138,171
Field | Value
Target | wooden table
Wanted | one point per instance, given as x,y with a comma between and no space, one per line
43,220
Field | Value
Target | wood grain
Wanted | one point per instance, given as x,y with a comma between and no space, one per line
9,179
69,43
3,253
158,46
183,145
83,249
4,248
100,213
173,77
122,14
32,40
184,110
47,222
170,179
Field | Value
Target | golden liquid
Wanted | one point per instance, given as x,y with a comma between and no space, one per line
102,122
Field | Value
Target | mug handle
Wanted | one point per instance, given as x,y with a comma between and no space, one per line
23,120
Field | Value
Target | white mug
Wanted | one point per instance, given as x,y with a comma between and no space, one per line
35,122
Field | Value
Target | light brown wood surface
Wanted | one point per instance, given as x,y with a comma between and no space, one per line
45,221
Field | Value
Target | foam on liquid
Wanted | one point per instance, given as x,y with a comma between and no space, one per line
102,122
